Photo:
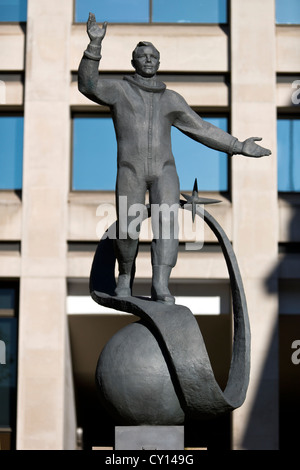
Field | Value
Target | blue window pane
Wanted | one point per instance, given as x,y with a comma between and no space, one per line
189,11
8,369
288,154
7,298
194,160
11,152
13,10
113,11
95,170
94,154
288,11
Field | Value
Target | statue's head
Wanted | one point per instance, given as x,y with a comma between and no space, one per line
145,59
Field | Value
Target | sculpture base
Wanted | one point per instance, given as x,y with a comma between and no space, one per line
149,438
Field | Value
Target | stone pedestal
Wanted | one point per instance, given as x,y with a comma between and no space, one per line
149,438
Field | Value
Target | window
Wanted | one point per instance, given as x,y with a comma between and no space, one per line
11,151
287,11
194,160
153,11
94,154
8,362
191,11
13,10
95,157
289,361
288,154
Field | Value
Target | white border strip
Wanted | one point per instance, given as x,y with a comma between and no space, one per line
81,304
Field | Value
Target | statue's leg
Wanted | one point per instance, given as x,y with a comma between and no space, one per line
130,193
164,198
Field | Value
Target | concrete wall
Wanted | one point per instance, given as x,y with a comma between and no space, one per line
42,380
255,212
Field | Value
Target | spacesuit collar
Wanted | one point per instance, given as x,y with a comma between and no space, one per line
147,84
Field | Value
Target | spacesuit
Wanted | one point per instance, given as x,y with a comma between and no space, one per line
143,112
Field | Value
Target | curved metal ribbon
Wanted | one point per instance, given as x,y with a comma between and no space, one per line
179,336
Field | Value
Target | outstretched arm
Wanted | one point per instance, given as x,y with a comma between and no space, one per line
191,124
89,84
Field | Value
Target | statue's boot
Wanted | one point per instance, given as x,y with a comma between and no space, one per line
123,288
160,281
126,252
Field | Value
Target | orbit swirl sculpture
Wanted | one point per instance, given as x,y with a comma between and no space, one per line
157,371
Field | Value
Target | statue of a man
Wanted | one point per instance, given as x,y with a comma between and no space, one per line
143,112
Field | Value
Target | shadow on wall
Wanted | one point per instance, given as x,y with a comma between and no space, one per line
270,428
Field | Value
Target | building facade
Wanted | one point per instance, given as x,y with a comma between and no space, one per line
237,63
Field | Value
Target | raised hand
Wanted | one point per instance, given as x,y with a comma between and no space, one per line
251,149
96,34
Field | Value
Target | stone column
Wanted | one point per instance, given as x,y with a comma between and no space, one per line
255,213
43,382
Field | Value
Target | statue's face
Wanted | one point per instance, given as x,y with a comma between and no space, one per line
146,61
